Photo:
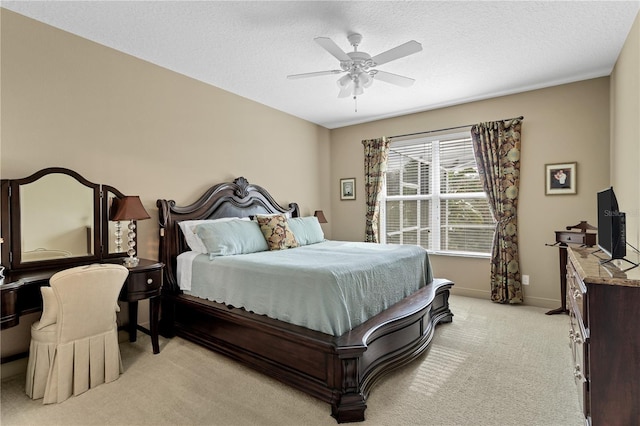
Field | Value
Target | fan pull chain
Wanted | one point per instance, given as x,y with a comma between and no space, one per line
355,101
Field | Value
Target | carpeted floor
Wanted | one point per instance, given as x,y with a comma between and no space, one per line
494,365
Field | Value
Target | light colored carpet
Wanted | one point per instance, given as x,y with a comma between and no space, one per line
494,365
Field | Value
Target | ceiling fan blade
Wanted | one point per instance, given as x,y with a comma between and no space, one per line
396,79
406,49
346,90
332,48
313,74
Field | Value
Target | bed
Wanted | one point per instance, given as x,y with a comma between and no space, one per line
334,365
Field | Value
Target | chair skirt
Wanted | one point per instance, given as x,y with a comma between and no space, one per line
72,367
40,357
82,364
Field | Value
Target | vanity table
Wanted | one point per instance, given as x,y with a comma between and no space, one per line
53,220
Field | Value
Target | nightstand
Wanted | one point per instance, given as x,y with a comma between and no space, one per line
144,282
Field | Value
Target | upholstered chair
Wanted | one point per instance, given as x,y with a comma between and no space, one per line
74,346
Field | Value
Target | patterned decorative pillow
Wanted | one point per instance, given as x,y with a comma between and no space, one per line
277,232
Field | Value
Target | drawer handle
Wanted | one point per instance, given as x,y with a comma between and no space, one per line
577,294
577,338
149,281
576,373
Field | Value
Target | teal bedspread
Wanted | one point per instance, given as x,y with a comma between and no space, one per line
330,287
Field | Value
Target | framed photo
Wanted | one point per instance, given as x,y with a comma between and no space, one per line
348,189
561,178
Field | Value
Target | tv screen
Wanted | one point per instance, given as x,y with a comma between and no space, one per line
611,225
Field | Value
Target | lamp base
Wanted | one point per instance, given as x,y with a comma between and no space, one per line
131,262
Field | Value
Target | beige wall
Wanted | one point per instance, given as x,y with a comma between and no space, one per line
625,132
561,124
148,131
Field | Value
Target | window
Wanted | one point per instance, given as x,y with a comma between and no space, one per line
433,197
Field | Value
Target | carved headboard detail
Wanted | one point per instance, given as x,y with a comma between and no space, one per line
229,199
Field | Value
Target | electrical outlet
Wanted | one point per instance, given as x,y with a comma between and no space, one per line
525,279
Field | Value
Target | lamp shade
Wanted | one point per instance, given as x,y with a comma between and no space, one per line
320,215
129,208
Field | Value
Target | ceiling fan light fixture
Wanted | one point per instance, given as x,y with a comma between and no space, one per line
344,81
357,89
365,79
359,66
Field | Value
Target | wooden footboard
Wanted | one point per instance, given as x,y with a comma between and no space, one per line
338,370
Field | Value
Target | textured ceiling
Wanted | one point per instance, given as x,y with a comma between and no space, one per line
471,49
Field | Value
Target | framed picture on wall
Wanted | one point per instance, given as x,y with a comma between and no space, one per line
561,178
348,189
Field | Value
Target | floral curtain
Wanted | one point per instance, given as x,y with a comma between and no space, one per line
376,153
497,150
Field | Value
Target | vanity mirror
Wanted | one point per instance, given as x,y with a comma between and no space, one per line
56,217
52,220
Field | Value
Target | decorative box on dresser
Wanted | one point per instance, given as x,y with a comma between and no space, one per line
604,312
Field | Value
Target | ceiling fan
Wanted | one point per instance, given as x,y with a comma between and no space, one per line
360,66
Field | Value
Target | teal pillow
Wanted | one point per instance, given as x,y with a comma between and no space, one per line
307,230
231,237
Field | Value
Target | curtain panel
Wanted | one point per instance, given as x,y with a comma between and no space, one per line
376,153
497,150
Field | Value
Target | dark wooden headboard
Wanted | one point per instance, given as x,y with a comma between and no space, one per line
229,199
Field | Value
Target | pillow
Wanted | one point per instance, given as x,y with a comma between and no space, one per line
188,230
307,230
277,232
49,308
224,238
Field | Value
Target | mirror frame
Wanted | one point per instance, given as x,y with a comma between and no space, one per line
10,223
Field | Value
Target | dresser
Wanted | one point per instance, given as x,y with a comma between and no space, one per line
604,337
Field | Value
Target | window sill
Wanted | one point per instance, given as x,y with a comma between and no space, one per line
460,254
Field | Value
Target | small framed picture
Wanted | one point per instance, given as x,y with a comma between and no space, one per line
348,189
561,178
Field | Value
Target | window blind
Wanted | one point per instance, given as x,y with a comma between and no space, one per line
434,197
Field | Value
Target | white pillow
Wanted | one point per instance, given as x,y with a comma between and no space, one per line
49,308
194,242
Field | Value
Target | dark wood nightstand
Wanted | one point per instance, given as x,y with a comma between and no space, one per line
144,282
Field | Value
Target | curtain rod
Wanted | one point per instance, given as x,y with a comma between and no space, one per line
444,130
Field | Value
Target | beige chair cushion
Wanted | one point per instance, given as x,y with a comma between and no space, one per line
49,308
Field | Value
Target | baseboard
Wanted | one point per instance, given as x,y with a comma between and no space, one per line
471,292
542,302
14,368
539,302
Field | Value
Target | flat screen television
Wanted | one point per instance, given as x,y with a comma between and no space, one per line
611,225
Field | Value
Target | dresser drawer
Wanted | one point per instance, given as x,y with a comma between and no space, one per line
141,285
582,238
576,294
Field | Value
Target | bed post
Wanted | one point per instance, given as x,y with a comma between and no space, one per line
169,288
349,405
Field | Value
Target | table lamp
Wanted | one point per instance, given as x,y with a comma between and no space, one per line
130,208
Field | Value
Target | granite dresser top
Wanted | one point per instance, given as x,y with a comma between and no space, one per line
588,261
